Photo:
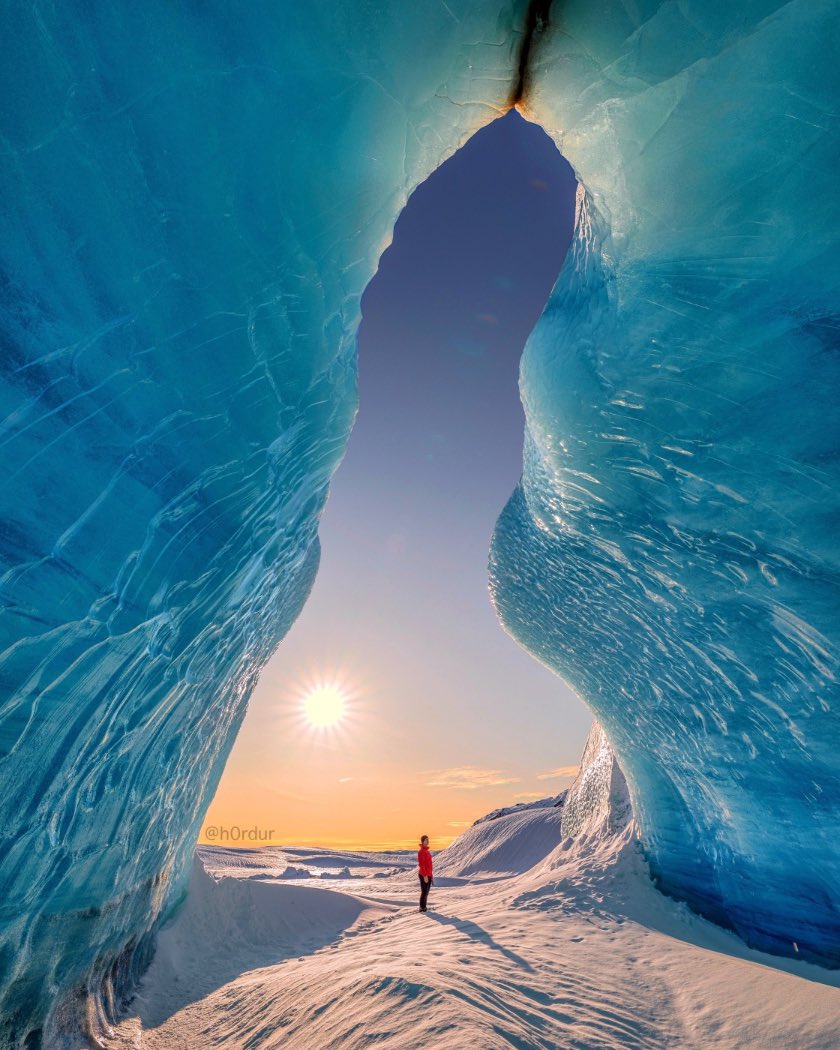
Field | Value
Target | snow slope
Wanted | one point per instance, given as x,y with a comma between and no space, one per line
511,843
578,950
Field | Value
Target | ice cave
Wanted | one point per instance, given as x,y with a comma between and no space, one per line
194,199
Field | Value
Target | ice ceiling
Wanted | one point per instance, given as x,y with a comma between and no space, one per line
194,200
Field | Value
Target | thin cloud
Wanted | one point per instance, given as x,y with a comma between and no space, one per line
467,778
529,794
561,771
460,824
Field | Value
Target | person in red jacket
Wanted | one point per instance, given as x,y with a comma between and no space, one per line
424,865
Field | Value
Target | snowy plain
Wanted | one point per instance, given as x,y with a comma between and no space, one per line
532,941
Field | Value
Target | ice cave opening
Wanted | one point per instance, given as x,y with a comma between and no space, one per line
199,200
435,451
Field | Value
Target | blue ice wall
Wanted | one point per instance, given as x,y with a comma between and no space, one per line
672,550
194,198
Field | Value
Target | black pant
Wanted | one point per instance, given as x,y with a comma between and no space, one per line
424,890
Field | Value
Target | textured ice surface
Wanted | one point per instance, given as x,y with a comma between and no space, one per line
598,802
193,200
672,549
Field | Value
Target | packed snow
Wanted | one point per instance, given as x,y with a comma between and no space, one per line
533,940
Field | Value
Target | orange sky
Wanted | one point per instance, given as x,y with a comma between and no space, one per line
388,809
358,785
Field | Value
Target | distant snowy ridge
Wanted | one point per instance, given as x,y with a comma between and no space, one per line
555,801
300,862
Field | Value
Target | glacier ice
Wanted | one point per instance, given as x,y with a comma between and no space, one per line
672,548
193,204
194,200
598,802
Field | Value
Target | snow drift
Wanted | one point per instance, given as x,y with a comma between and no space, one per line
195,202
229,925
511,843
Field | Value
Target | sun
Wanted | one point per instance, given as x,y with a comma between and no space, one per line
324,706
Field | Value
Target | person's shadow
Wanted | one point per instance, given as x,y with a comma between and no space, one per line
478,933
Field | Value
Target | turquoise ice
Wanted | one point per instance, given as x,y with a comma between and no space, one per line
672,550
193,202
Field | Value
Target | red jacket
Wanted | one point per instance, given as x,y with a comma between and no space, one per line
424,861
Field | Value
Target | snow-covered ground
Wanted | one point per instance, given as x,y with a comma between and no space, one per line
527,943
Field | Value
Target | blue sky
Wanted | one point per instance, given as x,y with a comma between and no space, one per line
447,717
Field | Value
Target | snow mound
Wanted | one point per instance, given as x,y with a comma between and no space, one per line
227,926
503,811
508,844
295,872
